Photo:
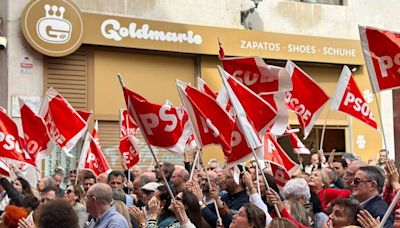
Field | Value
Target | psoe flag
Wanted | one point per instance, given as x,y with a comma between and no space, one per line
64,124
381,51
349,99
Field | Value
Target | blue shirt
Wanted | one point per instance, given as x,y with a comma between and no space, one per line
110,219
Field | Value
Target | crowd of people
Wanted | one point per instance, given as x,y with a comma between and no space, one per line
327,193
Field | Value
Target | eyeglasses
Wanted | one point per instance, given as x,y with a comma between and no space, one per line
357,181
70,191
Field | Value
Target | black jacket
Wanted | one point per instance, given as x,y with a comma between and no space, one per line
377,207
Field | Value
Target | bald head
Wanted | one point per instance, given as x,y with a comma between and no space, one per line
179,177
102,192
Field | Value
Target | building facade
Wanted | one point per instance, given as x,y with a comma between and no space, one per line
123,36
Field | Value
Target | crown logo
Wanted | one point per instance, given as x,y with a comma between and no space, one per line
53,28
54,10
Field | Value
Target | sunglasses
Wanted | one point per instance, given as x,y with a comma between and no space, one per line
70,191
357,181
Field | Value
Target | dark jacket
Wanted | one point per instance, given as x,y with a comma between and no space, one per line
377,207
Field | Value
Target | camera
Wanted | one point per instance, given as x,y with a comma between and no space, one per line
3,42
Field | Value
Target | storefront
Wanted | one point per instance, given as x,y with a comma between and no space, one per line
84,52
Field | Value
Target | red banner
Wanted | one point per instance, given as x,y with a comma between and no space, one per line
92,158
297,144
163,125
37,140
307,99
128,142
64,124
11,145
257,75
281,175
211,123
274,153
381,51
349,99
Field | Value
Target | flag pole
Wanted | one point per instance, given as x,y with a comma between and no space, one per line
194,163
380,118
258,180
323,130
245,130
219,220
389,210
350,132
130,107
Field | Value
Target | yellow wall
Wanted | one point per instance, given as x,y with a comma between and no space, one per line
153,76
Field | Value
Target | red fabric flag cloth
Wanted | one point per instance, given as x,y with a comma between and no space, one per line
64,124
259,113
37,140
11,145
254,73
163,125
381,49
297,144
211,123
274,153
85,115
349,99
128,142
92,158
307,99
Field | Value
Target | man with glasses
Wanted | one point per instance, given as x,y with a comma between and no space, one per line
367,186
98,204
351,171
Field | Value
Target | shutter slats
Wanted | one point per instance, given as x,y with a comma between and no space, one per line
68,75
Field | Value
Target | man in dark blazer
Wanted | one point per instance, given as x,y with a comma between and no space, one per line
367,186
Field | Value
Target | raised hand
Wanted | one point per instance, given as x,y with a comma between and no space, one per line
366,220
393,174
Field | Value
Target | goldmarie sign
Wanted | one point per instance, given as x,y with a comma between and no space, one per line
58,28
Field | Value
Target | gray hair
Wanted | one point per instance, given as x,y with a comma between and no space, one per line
102,192
296,188
374,174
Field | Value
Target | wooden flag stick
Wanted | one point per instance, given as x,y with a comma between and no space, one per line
198,151
131,108
389,210
380,119
321,144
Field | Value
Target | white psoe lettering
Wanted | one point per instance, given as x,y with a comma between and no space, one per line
386,63
112,29
359,105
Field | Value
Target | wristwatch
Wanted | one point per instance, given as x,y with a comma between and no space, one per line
201,203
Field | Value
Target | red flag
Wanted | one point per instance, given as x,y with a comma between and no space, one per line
259,113
85,115
349,99
297,144
277,101
163,125
307,99
211,123
274,153
281,175
4,169
37,139
381,51
92,158
257,75
128,142
64,124
203,87
11,145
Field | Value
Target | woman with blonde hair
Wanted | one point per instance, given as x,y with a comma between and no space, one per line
281,223
74,194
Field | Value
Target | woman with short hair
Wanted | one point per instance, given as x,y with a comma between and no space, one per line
74,194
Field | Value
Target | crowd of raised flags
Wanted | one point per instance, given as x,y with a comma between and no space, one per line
245,117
